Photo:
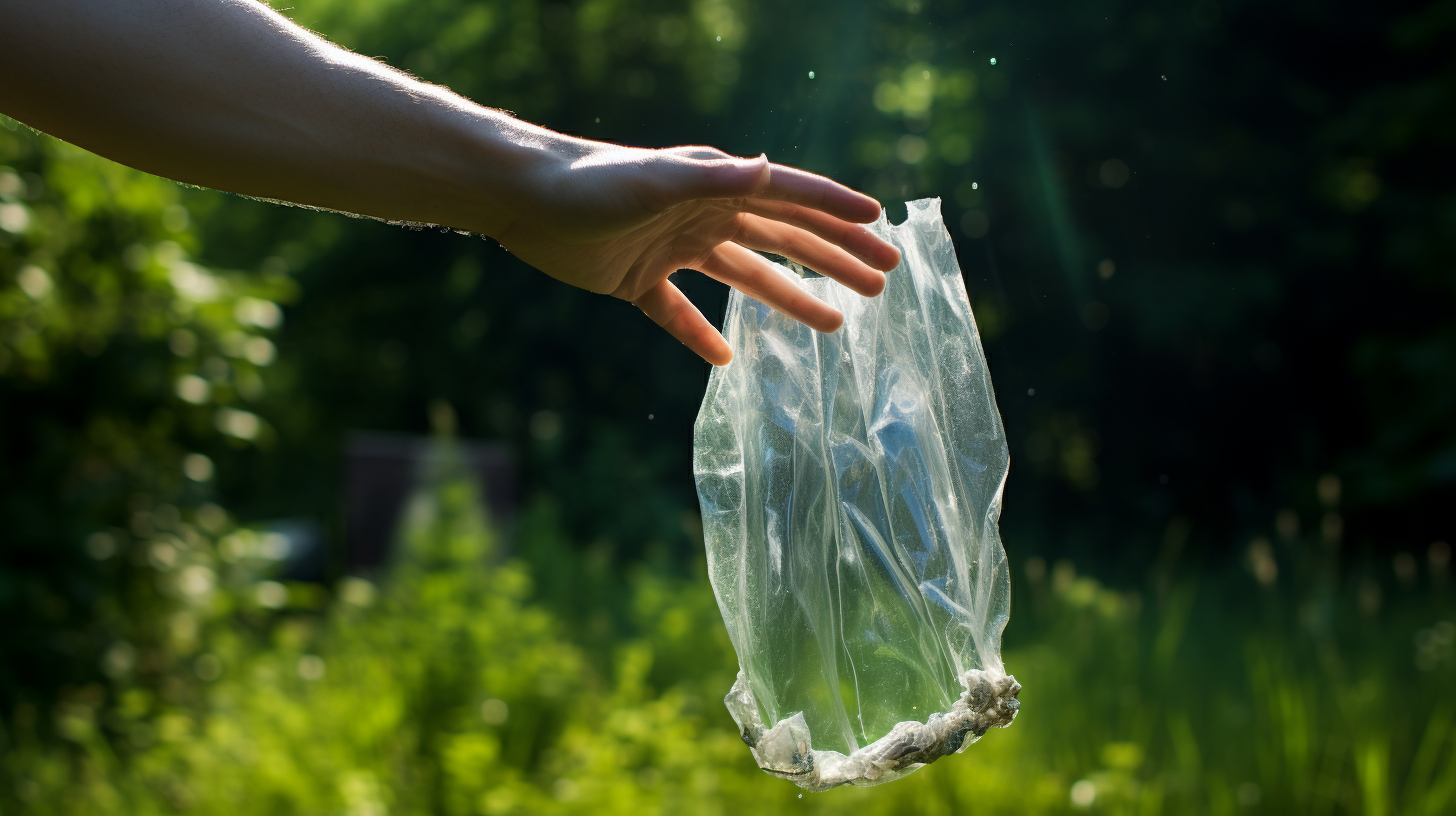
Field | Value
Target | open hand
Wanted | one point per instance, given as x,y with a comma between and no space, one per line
619,220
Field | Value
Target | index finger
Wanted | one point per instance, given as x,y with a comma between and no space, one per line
817,192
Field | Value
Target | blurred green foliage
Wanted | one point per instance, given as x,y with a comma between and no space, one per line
445,690
1208,252
1209,246
123,365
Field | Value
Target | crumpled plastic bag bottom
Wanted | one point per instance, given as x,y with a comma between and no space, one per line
785,751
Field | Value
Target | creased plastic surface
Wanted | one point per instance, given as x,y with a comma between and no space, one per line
850,485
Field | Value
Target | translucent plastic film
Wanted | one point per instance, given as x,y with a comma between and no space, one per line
850,486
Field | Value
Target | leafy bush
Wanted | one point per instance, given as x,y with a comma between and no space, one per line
446,690
125,368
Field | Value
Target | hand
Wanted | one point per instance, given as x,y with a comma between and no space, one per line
620,220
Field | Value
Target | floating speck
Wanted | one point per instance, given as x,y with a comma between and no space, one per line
975,185
993,60
811,74
720,38
1165,77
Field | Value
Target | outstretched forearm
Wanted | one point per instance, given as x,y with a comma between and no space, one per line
231,95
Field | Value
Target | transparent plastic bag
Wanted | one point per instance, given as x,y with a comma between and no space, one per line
850,485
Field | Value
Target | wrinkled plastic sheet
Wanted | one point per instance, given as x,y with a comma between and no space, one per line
850,486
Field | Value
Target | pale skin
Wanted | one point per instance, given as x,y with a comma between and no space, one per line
228,94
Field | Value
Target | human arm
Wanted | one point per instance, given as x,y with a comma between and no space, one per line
229,94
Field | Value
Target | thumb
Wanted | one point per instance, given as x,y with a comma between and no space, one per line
677,180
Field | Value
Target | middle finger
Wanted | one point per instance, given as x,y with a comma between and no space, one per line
856,239
811,251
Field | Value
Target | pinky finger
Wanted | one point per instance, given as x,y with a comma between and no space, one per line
670,308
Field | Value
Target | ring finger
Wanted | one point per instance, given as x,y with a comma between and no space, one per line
750,273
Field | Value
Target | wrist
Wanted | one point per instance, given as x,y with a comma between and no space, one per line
490,167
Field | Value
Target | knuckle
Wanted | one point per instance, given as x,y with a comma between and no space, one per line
744,226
